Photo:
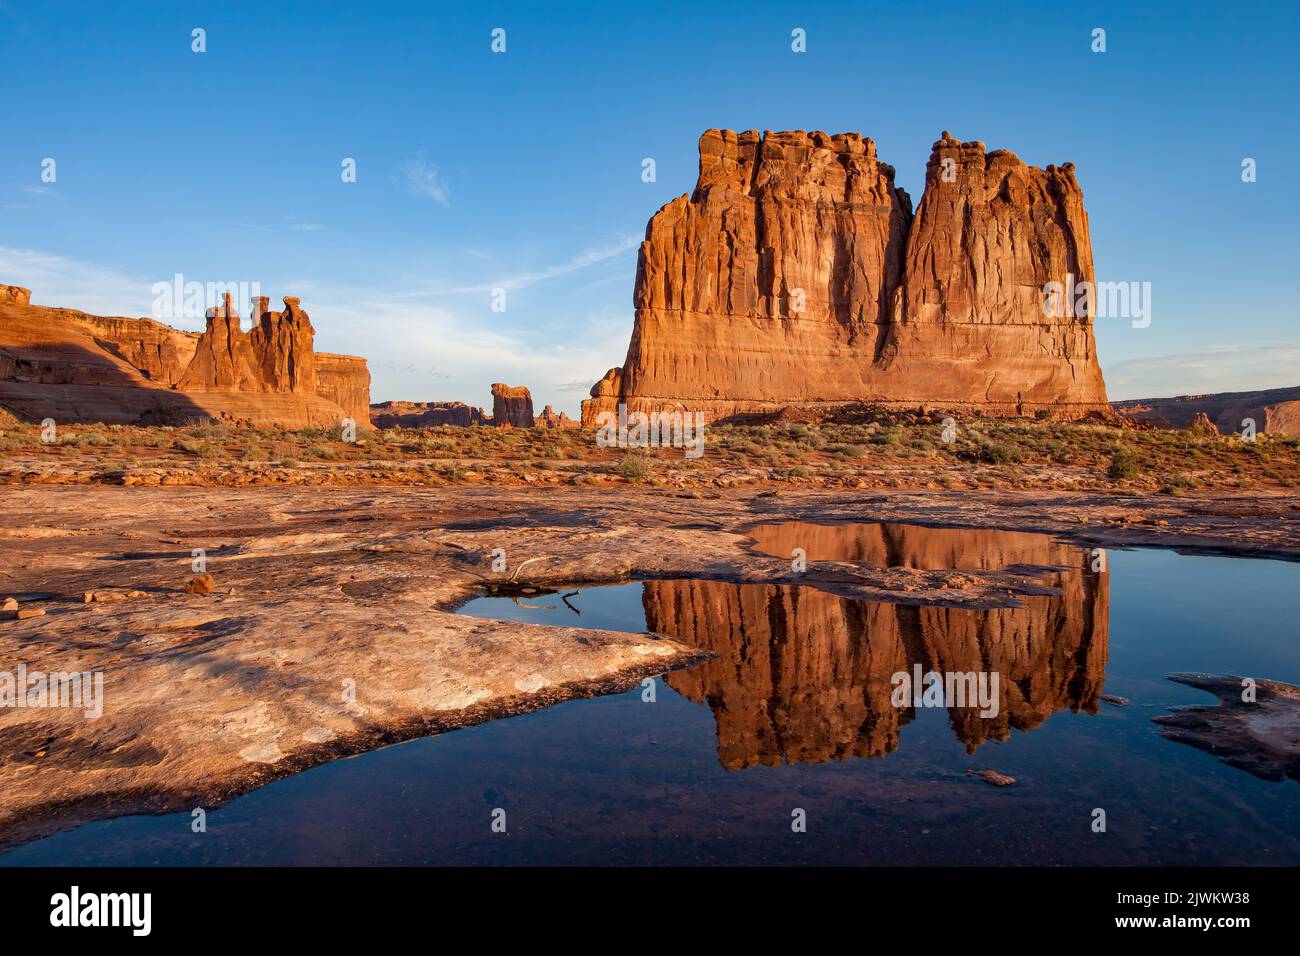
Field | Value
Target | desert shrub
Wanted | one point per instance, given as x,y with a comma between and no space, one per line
321,452
849,451
1178,482
999,453
203,449
1123,463
635,467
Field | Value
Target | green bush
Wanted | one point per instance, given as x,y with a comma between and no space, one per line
635,467
999,453
1123,463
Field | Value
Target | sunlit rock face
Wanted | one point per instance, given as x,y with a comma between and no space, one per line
75,367
803,676
795,274
224,356
512,405
972,326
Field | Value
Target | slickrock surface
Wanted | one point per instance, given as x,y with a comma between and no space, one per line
1274,410
1261,737
512,405
796,275
206,697
425,414
75,367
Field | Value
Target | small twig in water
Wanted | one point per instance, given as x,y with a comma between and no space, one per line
565,599
535,607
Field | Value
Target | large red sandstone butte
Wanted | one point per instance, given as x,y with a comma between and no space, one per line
74,367
796,274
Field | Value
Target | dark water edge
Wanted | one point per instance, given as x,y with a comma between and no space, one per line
711,771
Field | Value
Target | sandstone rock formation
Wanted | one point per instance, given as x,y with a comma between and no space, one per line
283,344
424,414
1202,423
223,357
971,327
1274,410
512,405
345,381
550,418
796,274
74,367
803,676
15,295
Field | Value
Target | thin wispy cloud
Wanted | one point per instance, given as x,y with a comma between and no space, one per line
423,179
62,281
419,351
290,226
586,258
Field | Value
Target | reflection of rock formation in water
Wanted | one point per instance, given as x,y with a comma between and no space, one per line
804,676
913,546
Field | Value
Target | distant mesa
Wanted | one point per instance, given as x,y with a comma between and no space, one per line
511,407
797,274
74,367
425,414
1275,410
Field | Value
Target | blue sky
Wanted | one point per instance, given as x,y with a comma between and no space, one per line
523,170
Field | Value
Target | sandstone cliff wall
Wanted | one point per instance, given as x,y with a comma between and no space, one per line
345,381
72,366
796,274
